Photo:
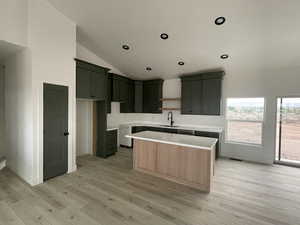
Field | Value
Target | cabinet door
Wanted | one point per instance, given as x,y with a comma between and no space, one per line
130,97
115,89
123,86
157,95
112,139
98,85
124,97
147,99
211,97
138,97
187,97
152,93
83,83
109,94
197,103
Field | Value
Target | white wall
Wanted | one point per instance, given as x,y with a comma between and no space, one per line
85,54
48,58
268,84
84,127
19,115
13,21
52,42
2,132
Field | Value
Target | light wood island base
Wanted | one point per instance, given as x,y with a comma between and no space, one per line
193,167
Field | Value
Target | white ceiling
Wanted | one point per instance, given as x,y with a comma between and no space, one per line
258,34
6,49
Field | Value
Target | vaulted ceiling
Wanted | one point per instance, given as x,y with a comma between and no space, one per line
7,49
257,34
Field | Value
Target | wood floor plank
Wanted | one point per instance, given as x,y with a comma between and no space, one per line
108,191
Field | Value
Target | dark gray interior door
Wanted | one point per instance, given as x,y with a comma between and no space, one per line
55,130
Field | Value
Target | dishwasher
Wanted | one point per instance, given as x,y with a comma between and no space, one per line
125,141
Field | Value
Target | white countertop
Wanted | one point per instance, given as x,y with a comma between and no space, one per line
112,128
176,139
183,127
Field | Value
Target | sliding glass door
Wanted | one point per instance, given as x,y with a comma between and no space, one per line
288,131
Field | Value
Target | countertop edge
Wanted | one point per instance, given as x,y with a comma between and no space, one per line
112,128
171,143
208,129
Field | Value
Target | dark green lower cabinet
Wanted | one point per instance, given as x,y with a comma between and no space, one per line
111,142
211,135
101,126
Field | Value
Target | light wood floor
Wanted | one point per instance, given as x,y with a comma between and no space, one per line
109,192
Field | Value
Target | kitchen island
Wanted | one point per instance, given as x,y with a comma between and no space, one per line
184,159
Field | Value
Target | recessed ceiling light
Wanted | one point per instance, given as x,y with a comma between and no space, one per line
220,20
180,63
224,56
125,47
148,68
164,36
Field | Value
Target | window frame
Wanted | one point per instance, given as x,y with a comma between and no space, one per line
227,141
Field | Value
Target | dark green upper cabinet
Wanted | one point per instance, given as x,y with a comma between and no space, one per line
201,94
152,94
197,87
211,96
115,88
126,96
109,93
123,89
138,96
99,84
83,83
91,81
191,93
119,88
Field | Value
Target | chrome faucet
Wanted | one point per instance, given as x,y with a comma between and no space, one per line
170,117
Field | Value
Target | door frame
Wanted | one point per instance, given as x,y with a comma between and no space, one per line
278,161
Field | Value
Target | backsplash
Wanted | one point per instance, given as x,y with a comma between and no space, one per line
115,118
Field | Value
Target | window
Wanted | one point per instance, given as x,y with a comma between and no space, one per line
245,120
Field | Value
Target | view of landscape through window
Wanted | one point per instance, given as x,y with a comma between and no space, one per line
245,120
289,110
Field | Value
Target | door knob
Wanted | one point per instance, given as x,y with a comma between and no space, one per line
66,134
